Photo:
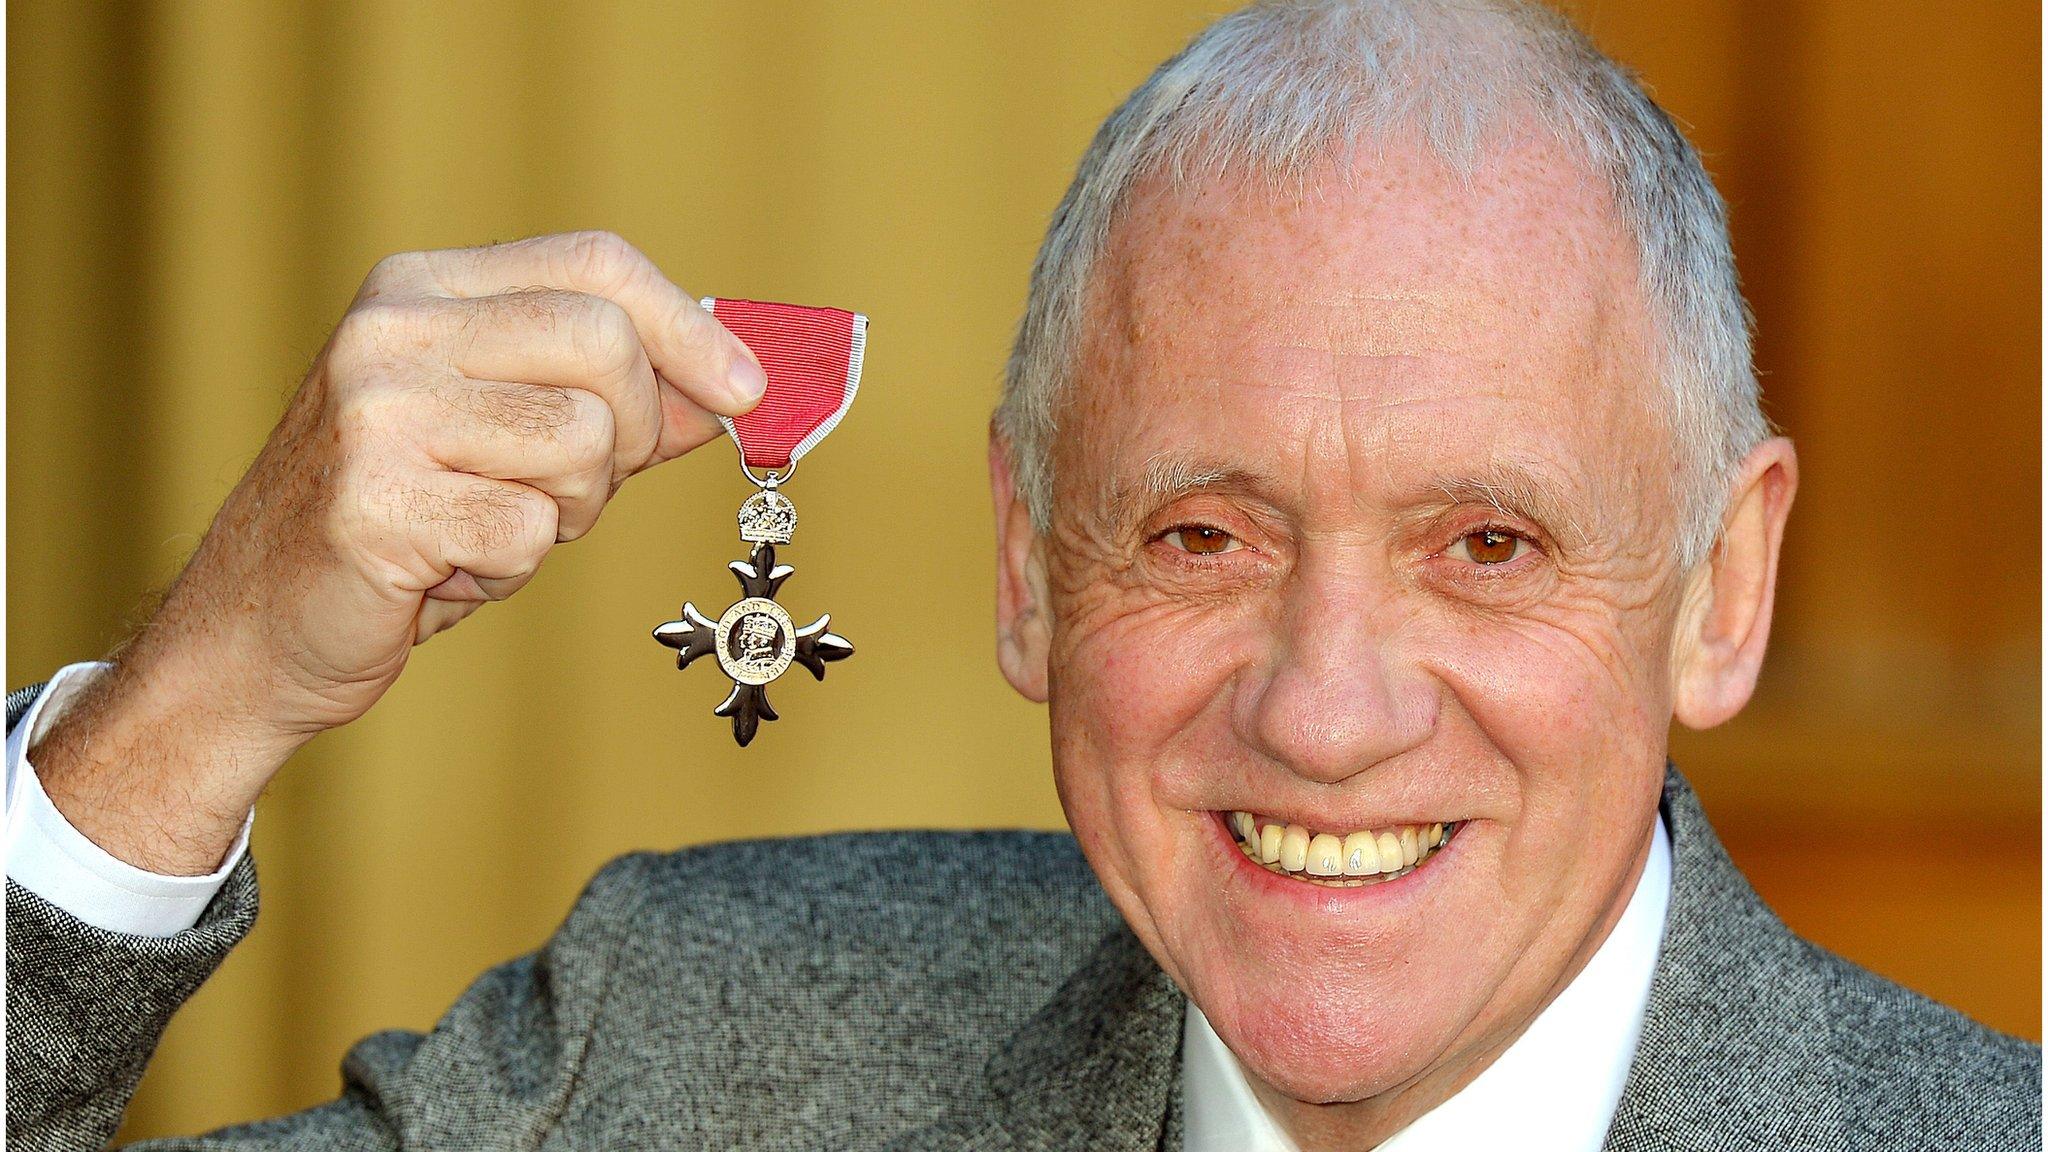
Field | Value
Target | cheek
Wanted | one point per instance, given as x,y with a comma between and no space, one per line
1574,674
1578,708
1143,671
1139,698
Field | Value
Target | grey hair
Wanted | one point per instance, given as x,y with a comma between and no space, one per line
1277,90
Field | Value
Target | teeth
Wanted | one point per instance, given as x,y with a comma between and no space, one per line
1331,859
1391,859
1325,855
1361,855
1294,848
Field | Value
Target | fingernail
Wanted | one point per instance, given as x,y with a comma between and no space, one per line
747,380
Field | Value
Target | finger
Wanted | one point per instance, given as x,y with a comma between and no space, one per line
494,530
568,340
454,599
690,351
464,588
559,440
573,340
437,616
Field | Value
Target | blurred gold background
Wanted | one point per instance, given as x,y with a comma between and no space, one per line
195,190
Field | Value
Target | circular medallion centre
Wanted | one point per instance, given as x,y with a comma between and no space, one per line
756,640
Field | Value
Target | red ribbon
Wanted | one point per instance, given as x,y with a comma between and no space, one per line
812,357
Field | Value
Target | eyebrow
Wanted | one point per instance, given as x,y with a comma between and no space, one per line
1513,489
1165,478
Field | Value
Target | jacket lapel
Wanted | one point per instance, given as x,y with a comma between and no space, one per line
1097,1067
1735,1042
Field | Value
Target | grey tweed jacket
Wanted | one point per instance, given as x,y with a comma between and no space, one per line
954,991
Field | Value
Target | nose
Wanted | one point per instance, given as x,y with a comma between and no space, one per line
1339,696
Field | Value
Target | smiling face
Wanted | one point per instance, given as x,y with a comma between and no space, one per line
1363,522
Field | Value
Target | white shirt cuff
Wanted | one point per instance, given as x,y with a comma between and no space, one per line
50,858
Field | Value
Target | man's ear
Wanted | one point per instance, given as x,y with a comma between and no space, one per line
1023,625
1725,620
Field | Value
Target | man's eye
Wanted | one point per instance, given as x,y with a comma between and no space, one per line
1202,541
1489,546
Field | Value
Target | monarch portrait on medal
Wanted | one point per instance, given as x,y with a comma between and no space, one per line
1327,574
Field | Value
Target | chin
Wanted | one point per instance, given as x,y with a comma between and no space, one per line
1326,1042
1330,1058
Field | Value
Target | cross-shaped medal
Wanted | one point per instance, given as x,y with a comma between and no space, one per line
755,641
812,358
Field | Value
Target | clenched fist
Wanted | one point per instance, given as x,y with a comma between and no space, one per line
474,408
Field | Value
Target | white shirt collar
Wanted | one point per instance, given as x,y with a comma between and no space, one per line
1555,1088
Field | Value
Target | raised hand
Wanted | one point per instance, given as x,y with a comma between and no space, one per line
474,408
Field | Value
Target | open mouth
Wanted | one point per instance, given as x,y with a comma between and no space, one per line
1336,859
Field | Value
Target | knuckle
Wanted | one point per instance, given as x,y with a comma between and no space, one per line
602,335
602,258
392,272
697,331
365,414
588,437
374,329
361,327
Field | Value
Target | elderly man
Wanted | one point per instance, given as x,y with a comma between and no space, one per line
1379,474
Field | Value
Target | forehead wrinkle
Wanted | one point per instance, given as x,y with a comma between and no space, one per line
1336,387
1347,323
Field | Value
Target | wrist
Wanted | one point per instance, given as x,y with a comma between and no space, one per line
157,763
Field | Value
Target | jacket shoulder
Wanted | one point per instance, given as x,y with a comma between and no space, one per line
882,971
863,887
908,905
1757,1038
1910,1064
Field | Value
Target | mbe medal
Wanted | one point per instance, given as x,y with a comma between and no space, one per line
812,358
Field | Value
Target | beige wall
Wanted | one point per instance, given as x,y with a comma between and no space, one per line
196,189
